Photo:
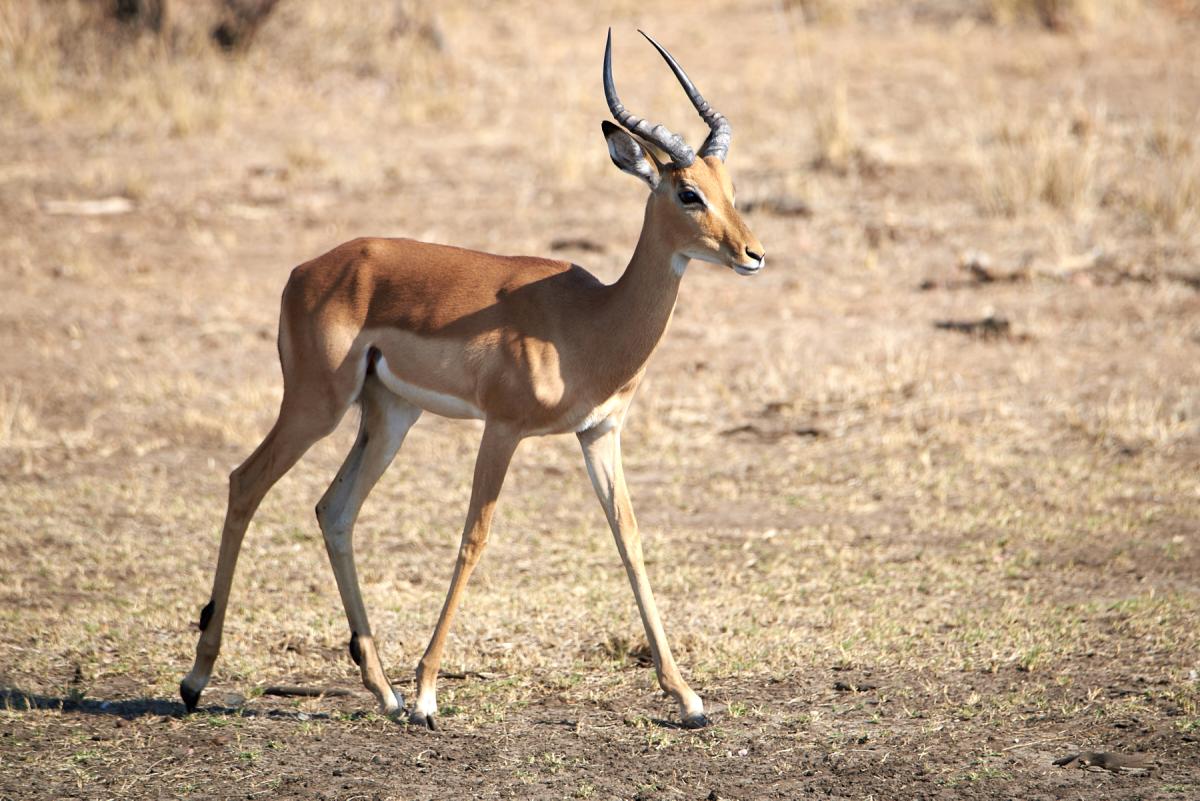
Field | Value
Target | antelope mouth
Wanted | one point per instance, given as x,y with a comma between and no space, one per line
748,269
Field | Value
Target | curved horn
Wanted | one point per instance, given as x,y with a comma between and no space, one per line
717,143
672,144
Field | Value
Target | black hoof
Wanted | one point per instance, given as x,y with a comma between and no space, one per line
190,697
426,721
696,722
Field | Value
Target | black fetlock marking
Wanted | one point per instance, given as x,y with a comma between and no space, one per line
206,615
355,649
190,697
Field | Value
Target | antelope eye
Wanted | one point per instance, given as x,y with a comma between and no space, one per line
689,198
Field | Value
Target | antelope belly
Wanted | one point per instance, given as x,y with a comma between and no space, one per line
428,399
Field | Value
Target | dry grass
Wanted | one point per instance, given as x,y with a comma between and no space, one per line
1170,198
1062,14
1058,161
833,132
18,423
66,60
1167,193
824,11
1050,160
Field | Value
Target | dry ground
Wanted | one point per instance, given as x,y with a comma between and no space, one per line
987,541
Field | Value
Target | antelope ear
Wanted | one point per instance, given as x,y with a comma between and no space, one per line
629,155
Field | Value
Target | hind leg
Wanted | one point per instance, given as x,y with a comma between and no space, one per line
294,432
386,420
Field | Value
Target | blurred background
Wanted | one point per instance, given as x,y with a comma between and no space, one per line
945,445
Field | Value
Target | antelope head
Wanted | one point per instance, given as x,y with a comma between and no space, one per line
691,195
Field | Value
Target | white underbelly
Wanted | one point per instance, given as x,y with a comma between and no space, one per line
581,418
599,414
430,400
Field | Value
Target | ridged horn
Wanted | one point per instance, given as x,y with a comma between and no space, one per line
670,143
717,143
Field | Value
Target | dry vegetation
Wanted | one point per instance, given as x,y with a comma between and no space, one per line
1063,14
899,560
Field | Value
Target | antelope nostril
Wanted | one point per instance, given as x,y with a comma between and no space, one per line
753,255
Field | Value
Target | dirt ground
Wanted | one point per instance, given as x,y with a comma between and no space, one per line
921,502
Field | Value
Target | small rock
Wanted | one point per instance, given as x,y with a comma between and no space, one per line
990,327
853,686
979,265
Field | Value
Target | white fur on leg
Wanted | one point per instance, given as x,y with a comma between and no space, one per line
691,712
195,681
424,708
393,704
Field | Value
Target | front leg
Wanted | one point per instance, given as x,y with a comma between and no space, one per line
491,465
602,455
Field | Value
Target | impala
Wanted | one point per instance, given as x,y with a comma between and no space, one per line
528,345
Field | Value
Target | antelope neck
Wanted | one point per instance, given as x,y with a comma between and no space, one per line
639,305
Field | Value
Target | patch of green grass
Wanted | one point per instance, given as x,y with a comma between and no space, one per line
658,739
